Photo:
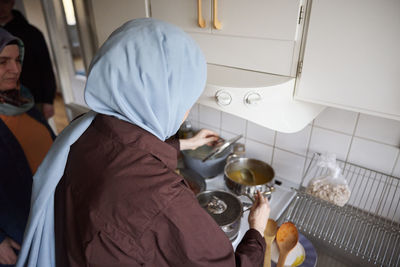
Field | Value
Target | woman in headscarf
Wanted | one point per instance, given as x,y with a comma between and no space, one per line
25,138
119,201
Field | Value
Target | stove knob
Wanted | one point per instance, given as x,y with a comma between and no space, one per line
252,99
223,98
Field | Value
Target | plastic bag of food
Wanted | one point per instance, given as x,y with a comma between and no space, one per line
332,186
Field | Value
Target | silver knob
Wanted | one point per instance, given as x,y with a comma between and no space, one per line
223,98
252,99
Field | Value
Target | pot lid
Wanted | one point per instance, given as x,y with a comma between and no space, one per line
219,149
224,207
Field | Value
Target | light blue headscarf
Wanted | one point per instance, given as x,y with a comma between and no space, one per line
148,73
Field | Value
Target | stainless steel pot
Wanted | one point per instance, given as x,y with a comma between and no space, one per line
262,176
225,208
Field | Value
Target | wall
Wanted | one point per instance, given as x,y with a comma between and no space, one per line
368,141
105,22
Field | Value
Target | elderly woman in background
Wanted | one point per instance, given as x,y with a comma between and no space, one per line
107,193
25,139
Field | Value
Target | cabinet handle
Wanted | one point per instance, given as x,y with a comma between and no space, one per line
217,24
200,19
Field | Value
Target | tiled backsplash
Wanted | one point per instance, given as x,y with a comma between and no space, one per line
368,141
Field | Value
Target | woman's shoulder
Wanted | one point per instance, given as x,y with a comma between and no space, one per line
38,116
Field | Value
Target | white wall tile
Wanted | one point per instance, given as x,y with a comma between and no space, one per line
210,116
259,151
396,171
288,166
260,134
229,135
233,124
375,156
194,113
337,119
379,129
328,141
309,168
294,142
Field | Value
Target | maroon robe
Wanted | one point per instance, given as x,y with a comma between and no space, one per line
120,203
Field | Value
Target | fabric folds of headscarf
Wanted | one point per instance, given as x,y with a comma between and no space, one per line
148,73
150,78
14,102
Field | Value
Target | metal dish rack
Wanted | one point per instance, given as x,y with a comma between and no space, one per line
366,231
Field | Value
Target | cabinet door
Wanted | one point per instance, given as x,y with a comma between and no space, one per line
266,19
352,56
259,35
182,13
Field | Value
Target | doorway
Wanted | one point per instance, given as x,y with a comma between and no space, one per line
66,25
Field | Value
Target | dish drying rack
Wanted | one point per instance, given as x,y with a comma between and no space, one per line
366,230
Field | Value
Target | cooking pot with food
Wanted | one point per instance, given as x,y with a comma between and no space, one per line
244,176
225,208
209,161
193,159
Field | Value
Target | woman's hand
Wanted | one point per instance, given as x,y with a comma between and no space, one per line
7,254
204,136
259,213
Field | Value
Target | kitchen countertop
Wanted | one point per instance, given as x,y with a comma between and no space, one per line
280,199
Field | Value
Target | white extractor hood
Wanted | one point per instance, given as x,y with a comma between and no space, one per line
262,98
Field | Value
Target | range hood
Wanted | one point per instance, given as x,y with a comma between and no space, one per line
262,98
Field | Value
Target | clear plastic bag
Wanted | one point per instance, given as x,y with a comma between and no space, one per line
332,186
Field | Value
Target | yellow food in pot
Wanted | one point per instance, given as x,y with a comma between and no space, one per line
237,176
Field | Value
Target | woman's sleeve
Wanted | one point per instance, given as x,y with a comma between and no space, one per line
251,249
185,235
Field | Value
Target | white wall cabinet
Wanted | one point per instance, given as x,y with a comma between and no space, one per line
253,50
259,35
352,56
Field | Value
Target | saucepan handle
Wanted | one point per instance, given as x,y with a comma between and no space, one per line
247,206
252,191
238,152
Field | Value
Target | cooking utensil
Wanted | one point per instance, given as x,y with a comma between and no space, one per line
247,175
286,239
262,177
303,254
221,148
269,236
225,208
